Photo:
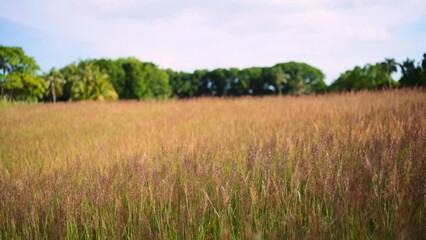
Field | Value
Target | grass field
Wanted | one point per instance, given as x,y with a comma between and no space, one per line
349,166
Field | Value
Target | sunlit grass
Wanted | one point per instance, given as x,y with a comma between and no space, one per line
348,166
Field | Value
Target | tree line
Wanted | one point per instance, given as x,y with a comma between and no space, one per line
130,78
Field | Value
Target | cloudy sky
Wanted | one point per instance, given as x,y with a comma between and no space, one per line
333,35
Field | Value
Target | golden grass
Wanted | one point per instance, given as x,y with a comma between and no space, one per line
346,166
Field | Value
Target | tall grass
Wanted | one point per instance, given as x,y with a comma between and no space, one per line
348,166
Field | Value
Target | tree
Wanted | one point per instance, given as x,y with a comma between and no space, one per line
297,86
302,78
413,75
18,79
134,79
254,78
234,86
182,84
389,66
267,84
115,71
271,81
157,83
86,81
215,82
55,81
424,62
197,80
280,79
371,76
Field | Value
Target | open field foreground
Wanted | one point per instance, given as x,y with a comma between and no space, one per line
349,166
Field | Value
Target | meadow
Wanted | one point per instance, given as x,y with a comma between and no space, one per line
336,166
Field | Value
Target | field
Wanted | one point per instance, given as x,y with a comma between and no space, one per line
338,166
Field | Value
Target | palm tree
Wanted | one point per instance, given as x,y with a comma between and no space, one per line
101,88
55,81
390,66
90,83
280,79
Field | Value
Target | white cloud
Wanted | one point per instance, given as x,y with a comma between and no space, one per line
187,34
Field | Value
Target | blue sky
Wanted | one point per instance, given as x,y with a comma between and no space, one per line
333,35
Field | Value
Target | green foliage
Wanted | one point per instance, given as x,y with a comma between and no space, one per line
130,78
86,81
234,85
413,75
18,80
302,78
251,80
294,78
115,72
55,82
183,85
215,82
369,77
124,78
280,79
134,79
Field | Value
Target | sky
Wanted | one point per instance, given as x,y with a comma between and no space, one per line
332,35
